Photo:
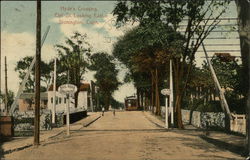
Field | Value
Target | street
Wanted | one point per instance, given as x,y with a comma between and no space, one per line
125,136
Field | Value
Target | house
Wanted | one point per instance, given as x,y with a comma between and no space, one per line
26,101
84,99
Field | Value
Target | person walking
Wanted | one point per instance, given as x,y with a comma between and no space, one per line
103,111
114,112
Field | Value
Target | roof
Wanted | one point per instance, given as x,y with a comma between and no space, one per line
43,95
83,87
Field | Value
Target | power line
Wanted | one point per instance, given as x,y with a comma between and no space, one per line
220,51
220,31
219,19
222,44
222,38
218,25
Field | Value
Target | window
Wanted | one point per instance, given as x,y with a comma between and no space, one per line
51,99
65,100
60,100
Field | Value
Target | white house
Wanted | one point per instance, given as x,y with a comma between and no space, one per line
61,101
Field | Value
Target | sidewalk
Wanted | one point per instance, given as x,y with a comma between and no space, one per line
230,142
19,143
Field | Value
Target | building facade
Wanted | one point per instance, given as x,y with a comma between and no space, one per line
61,99
26,101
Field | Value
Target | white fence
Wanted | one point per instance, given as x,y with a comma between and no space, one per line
238,124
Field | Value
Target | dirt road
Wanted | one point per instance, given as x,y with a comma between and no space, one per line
125,136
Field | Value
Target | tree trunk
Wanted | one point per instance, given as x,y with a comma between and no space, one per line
157,98
142,100
107,101
178,94
138,97
243,8
152,91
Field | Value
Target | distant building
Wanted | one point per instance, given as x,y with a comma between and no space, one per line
61,100
26,101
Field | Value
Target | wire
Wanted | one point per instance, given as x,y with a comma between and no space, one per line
220,51
222,44
222,38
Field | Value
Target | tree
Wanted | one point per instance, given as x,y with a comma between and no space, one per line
201,86
73,59
243,8
106,76
22,67
10,98
201,20
147,49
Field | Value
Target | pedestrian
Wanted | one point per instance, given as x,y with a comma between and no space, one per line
114,111
102,111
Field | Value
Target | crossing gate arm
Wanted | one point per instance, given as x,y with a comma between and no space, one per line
21,87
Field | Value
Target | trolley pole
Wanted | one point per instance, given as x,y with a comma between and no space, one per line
37,75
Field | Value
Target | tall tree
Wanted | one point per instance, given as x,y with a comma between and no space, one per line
147,49
10,97
201,20
106,75
243,8
73,59
22,67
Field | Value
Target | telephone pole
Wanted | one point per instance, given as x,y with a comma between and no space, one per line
6,86
0,70
171,96
37,75
54,96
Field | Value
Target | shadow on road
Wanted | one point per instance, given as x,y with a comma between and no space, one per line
227,146
2,140
1,149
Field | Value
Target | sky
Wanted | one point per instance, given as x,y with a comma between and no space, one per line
18,24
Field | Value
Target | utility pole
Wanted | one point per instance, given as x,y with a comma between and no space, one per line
37,75
54,96
67,115
166,112
171,96
0,70
6,87
90,97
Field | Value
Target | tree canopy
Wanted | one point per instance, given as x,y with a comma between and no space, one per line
22,67
106,75
74,59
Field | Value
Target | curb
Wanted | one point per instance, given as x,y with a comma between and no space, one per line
56,134
86,125
155,123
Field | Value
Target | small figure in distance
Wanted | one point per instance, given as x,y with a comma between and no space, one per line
103,111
